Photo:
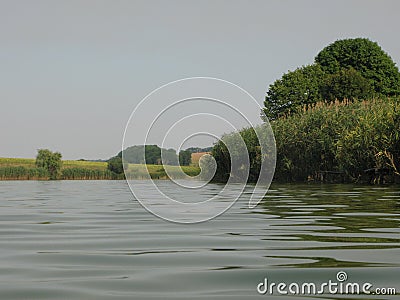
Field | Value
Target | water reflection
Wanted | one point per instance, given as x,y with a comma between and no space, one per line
333,226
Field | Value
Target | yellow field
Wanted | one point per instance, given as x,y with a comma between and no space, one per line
30,163
93,165
17,162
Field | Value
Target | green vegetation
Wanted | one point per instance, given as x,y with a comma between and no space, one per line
293,90
337,120
149,154
89,174
356,141
352,69
330,142
138,171
51,161
25,169
185,158
115,165
367,58
23,173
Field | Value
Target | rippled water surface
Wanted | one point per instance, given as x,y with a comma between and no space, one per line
92,240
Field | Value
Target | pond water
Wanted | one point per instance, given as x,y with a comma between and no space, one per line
92,240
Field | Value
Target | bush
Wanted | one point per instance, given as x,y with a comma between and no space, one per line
115,165
51,161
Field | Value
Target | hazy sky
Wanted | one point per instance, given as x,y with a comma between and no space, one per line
71,72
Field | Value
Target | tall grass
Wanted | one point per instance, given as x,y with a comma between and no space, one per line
88,174
358,141
23,173
339,142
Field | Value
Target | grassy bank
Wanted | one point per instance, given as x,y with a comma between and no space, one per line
25,169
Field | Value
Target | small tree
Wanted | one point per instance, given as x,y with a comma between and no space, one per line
185,158
115,165
51,161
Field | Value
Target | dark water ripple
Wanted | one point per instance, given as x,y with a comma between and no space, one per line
91,240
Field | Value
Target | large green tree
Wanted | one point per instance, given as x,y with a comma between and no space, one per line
51,161
365,56
346,84
346,69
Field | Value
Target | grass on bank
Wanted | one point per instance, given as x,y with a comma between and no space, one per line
25,169
359,141
329,142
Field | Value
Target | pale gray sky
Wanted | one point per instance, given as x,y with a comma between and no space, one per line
71,72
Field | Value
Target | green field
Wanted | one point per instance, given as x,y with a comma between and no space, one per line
138,171
25,169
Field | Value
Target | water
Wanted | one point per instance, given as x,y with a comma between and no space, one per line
91,240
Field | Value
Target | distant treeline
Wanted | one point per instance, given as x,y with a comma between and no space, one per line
154,155
335,142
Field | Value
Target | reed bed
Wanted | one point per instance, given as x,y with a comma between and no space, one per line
331,142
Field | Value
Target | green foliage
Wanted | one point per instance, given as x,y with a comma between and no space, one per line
136,155
293,90
115,165
24,169
230,154
185,157
23,173
133,155
152,154
366,57
342,139
223,159
89,174
141,171
353,69
346,84
51,161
